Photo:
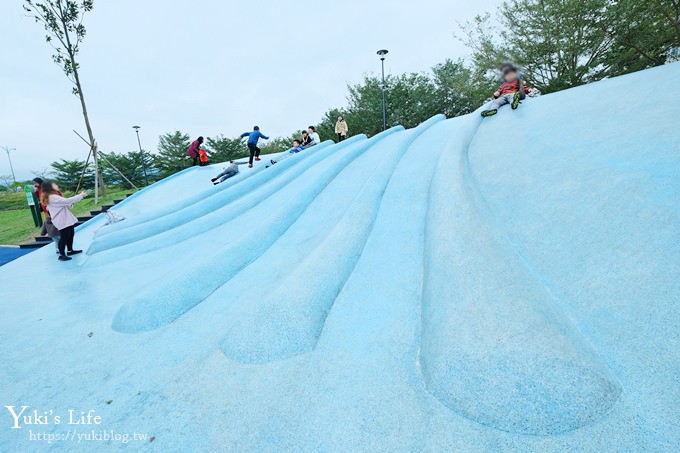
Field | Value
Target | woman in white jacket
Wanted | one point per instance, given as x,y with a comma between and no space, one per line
62,217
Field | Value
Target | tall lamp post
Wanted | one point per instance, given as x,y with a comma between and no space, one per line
141,153
382,54
7,150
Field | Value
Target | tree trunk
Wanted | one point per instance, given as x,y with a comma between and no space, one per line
97,174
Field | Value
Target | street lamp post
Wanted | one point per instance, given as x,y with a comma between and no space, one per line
382,54
141,153
7,150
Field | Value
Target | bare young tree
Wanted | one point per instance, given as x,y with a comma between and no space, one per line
63,21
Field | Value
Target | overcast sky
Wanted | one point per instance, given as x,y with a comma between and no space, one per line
206,67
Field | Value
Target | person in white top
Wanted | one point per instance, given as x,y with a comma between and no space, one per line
62,217
314,136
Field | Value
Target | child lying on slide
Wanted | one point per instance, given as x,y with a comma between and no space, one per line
228,172
297,147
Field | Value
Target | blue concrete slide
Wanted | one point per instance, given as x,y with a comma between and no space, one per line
501,284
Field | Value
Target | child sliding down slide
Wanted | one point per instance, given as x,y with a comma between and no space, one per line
231,170
297,147
511,91
253,137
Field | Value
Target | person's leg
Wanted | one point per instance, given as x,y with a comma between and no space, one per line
226,175
257,153
63,240
343,137
252,149
69,239
493,107
284,157
56,239
339,137
522,94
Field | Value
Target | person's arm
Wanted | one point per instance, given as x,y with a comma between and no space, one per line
56,200
245,134
264,136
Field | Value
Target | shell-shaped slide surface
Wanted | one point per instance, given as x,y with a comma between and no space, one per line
507,283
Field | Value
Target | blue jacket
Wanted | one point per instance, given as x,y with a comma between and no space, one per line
297,149
254,136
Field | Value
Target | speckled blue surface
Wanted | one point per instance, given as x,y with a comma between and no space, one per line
505,284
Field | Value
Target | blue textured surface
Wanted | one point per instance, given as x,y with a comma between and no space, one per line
8,254
509,283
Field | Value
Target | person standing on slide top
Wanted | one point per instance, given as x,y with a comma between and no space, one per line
253,137
193,150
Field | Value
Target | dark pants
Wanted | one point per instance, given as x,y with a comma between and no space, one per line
254,152
66,240
226,174
341,137
203,164
195,161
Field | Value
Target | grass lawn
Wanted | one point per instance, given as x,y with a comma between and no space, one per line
16,225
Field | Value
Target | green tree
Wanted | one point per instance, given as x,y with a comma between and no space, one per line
223,149
171,156
6,181
131,165
411,99
326,128
17,186
645,33
557,43
458,89
63,21
67,173
565,43
278,145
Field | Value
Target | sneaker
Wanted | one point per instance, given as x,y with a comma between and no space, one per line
215,183
74,252
515,100
272,161
250,165
257,158
64,258
486,113
213,180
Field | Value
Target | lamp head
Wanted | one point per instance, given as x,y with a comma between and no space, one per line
382,53
136,128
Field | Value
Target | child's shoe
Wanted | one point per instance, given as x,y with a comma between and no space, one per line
64,258
486,113
515,100
213,180
257,158
74,252
272,161
250,165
